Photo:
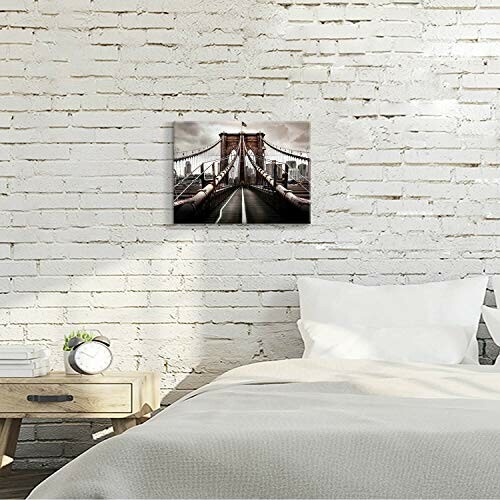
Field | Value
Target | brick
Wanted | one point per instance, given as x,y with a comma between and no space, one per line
65,268
57,299
15,333
38,449
267,252
36,284
98,283
41,152
486,81
115,5
22,300
35,316
280,299
12,268
108,201
17,235
233,299
177,298
442,156
387,157
56,432
116,299
27,433
148,152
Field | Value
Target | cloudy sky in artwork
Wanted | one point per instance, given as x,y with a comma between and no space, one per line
189,136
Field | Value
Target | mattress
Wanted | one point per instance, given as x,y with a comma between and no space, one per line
307,429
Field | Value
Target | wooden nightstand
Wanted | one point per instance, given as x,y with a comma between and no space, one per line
126,397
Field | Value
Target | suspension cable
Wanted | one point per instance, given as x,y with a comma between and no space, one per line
257,168
289,153
187,155
301,203
193,181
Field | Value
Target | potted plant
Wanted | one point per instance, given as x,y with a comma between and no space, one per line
85,336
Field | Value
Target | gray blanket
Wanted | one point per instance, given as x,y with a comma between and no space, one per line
303,429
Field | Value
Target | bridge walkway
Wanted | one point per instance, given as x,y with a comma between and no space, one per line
244,206
258,211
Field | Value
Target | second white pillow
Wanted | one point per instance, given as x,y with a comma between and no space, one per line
419,344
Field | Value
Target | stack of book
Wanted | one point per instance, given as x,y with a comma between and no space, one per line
23,361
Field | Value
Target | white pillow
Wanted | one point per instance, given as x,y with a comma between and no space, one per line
492,319
438,344
455,304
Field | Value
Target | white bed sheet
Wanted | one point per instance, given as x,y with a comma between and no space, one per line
308,429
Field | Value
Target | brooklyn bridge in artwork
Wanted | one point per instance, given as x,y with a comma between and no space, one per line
238,173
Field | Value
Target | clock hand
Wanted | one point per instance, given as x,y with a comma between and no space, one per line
88,355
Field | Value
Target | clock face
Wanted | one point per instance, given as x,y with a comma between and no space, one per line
92,358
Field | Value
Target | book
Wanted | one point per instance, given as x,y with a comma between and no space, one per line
24,372
8,364
23,352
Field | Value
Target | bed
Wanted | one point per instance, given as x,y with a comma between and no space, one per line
307,428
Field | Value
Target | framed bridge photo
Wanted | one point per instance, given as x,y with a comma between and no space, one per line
242,173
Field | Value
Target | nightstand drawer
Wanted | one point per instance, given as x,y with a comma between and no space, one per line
71,398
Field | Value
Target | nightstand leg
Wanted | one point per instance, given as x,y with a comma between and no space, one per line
144,418
9,432
120,425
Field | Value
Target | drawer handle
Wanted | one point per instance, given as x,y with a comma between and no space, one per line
36,398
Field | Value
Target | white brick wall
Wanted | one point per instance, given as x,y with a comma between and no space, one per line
403,99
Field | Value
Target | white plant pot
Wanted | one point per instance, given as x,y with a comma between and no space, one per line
67,367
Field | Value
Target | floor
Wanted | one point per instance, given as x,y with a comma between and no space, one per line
19,484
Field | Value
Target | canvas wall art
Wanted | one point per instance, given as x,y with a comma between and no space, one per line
242,173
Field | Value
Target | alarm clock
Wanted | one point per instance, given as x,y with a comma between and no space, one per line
90,358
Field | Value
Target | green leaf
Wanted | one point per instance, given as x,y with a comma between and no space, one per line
84,335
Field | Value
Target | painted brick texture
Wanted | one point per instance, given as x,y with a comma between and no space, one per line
403,97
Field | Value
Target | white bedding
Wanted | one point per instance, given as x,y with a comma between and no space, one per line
308,429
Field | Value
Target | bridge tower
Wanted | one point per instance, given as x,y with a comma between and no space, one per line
231,141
